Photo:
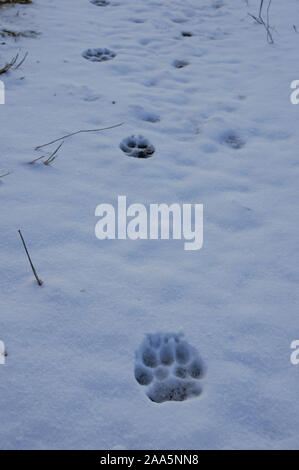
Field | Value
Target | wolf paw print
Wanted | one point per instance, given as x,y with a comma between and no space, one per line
168,367
137,146
98,55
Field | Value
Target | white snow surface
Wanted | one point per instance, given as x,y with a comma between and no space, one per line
226,136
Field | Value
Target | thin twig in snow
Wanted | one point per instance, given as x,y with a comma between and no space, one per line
50,159
53,155
22,61
40,283
13,2
78,132
36,159
266,24
261,8
6,174
13,64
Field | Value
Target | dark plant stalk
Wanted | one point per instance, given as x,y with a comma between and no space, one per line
40,283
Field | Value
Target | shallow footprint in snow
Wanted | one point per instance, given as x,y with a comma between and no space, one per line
179,64
100,3
234,141
179,20
98,55
137,20
137,146
169,367
150,117
146,114
217,4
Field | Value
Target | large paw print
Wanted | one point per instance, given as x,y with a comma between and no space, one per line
137,146
168,367
98,55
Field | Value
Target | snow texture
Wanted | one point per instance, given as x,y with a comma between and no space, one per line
226,136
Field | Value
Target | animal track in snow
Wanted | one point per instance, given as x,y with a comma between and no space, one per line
145,114
179,20
137,146
150,117
234,141
169,367
218,130
137,20
98,55
179,64
217,4
100,3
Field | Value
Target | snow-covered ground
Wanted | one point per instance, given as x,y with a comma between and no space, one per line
68,381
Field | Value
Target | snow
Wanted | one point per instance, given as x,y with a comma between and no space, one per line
225,136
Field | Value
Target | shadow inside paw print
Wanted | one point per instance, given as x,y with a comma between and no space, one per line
186,34
179,64
234,141
137,146
98,55
169,367
100,3
150,117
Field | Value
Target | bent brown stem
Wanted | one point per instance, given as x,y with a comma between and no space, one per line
78,132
